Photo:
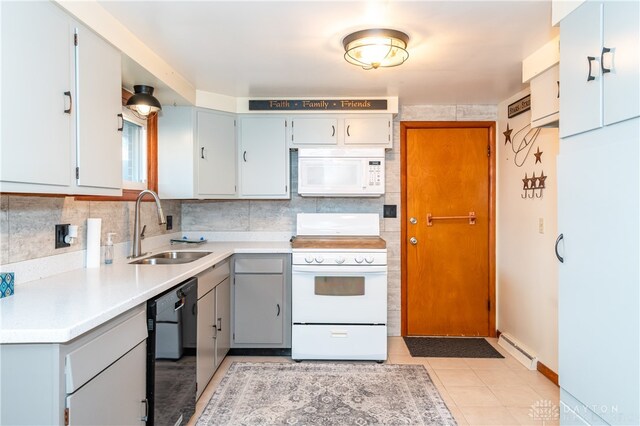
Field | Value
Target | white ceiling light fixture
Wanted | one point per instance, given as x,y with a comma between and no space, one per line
375,48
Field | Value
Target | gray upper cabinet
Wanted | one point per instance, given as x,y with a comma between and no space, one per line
264,158
367,131
196,153
216,167
314,131
73,92
39,38
261,301
371,130
99,103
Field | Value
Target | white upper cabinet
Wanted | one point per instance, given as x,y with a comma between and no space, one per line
314,131
99,112
621,55
367,131
545,98
37,95
216,142
599,67
74,96
264,158
372,130
196,154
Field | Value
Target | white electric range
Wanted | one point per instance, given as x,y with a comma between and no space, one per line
339,288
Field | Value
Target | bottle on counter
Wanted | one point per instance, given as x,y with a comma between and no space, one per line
108,249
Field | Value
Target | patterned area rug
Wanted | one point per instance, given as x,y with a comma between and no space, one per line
312,393
451,347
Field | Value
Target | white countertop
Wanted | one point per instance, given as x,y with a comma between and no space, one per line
62,307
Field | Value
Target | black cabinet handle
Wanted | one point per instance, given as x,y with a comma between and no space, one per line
219,324
560,258
68,111
604,50
278,306
590,59
202,152
146,410
333,130
349,126
121,127
244,156
558,95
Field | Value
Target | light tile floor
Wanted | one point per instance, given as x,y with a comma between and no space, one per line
477,391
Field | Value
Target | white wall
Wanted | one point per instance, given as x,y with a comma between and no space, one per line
526,269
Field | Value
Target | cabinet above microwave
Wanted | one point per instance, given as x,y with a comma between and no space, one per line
317,131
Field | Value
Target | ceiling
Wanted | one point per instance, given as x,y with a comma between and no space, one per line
462,52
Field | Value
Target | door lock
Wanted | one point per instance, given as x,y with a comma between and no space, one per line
413,240
413,220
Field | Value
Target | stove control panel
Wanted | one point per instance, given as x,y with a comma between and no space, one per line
341,258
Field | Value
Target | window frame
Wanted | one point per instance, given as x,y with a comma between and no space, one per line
128,116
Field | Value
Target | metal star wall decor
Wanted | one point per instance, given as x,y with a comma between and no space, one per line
507,134
538,155
533,186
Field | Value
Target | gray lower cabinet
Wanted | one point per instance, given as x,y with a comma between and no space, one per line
96,379
93,403
262,301
214,331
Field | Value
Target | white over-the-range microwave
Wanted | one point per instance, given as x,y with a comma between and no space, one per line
341,172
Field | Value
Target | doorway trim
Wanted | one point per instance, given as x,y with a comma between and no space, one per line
408,125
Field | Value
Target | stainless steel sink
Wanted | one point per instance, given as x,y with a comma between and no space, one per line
171,258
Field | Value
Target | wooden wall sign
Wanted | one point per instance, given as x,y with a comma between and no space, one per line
318,105
519,106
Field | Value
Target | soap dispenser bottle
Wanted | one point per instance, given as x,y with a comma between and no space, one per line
108,249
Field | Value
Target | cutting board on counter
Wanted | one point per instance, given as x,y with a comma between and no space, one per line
338,242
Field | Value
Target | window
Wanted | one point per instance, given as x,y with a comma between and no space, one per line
134,152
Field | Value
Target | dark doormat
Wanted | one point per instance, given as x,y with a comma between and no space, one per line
451,347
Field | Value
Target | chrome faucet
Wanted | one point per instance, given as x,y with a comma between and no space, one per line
136,246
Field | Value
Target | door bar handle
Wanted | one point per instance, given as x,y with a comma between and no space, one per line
121,119
471,216
278,306
333,130
560,258
145,418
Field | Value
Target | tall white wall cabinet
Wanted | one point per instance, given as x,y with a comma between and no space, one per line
599,214
61,96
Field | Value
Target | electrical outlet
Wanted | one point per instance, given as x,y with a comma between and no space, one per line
169,222
61,232
390,210
541,225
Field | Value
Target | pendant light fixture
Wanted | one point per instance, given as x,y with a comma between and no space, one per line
376,48
142,102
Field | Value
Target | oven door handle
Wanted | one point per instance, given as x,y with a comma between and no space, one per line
338,270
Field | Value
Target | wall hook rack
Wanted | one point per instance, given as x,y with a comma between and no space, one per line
533,187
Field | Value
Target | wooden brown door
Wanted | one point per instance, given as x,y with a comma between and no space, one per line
447,231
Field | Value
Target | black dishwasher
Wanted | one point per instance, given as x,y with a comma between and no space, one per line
171,358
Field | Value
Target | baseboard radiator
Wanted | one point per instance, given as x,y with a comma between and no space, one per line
518,352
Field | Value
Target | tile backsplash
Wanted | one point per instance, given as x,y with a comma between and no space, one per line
27,223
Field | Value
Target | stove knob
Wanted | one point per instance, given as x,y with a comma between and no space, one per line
340,260
369,259
308,259
320,259
359,259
